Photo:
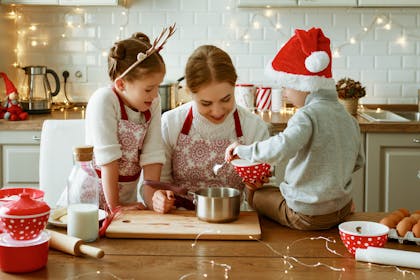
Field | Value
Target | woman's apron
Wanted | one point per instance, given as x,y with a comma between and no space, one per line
130,136
194,158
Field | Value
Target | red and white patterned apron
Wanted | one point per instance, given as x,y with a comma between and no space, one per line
130,136
194,158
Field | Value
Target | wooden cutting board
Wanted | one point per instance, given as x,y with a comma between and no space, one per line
182,225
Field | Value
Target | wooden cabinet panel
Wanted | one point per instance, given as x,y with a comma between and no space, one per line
20,165
389,3
328,3
392,165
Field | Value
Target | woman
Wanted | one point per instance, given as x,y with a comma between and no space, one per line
196,134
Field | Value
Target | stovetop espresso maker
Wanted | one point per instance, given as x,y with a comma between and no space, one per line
37,95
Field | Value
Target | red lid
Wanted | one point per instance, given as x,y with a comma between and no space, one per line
24,206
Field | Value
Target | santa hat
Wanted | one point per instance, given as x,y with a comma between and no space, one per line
10,87
304,62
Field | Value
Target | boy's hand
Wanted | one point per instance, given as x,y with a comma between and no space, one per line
257,184
229,156
163,201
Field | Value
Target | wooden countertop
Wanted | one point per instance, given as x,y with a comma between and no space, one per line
175,259
278,122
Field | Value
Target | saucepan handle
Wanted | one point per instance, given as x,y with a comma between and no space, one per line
194,195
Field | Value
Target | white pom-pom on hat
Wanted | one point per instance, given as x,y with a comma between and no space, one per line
317,61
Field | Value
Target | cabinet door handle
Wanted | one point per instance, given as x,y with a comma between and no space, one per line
36,138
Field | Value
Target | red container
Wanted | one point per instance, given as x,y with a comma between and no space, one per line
251,172
10,194
23,256
24,218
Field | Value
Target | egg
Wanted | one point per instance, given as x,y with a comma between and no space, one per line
415,216
398,214
406,224
404,211
416,230
389,221
417,212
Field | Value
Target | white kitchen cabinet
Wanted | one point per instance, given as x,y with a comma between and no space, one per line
88,2
63,2
327,3
19,164
389,3
31,2
392,165
266,3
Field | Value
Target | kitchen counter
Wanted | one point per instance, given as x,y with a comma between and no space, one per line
278,122
178,259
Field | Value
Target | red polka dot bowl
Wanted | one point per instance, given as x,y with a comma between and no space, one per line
251,172
362,234
25,218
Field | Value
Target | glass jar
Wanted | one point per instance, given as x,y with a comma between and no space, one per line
83,196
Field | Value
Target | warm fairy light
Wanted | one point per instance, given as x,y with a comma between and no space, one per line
278,26
246,37
104,53
336,53
387,26
268,6
69,24
378,110
32,27
121,28
256,24
268,13
123,13
379,20
15,64
63,35
44,43
402,41
227,8
352,40
34,43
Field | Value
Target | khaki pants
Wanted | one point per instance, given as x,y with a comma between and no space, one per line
270,202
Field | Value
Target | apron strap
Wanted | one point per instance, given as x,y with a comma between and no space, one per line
238,127
188,123
123,112
147,114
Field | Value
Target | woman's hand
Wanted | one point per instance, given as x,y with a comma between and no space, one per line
229,156
163,201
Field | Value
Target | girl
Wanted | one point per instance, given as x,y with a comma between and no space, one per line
123,120
321,145
196,134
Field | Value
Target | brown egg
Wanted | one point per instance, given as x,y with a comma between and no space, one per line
404,211
389,222
416,212
396,216
405,225
415,216
399,214
416,230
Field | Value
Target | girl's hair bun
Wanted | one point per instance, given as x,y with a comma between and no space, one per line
141,37
117,51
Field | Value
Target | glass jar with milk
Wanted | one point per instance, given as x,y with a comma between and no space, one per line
83,196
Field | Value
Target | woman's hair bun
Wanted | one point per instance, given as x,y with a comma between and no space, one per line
141,37
118,51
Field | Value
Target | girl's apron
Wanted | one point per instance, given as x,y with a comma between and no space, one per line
194,158
130,136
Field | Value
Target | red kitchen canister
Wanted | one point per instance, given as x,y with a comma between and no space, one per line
25,218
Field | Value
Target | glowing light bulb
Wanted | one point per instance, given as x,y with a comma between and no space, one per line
268,13
104,53
365,29
387,26
32,27
69,24
123,13
63,35
278,26
352,40
379,20
34,43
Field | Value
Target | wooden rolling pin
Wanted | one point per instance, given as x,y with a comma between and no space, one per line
72,245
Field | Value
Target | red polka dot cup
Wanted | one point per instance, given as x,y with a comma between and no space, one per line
251,172
362,234
25,218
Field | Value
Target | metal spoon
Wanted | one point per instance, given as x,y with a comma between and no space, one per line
217,167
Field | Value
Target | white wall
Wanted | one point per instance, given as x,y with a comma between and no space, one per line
390,71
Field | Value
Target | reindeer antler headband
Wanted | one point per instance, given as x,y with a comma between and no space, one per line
157,45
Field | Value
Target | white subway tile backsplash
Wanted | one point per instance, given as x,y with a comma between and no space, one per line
387,61
388,68
411,61
374,48
374,75
361,62
402,76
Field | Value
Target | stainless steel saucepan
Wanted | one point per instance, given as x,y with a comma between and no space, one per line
217,205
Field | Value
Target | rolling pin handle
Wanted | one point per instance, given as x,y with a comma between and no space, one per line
91,251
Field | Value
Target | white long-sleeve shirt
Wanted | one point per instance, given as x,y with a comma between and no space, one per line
253,129
323,147
102,115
